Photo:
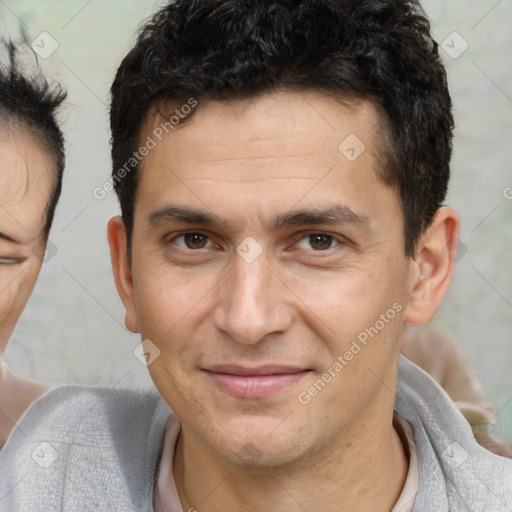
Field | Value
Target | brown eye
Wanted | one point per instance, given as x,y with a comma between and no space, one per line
320,242
195,240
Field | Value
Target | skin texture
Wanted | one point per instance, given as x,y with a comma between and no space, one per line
26,183
249,162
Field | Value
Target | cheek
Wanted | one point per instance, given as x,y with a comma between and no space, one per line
10,297
170,305
340,306
15,289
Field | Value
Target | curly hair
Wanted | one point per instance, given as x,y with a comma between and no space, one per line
379,50
30,101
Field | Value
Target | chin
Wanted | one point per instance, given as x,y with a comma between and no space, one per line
264,455
258,444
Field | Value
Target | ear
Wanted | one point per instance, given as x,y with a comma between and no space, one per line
433,265
121,268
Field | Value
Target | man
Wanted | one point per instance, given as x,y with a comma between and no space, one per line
281,169
31,168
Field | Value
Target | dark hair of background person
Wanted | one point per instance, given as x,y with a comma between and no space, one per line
379,50
28,101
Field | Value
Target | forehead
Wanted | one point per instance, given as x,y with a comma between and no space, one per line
273,122
274,148
27,179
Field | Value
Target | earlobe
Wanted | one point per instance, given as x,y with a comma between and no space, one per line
433,265
121,268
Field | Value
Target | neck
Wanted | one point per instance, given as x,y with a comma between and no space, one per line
7,422
16,394
363,470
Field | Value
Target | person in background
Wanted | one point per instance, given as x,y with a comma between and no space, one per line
31,168
437,353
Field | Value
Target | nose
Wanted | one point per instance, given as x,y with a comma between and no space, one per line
252,302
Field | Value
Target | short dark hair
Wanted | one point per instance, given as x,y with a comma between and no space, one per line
29,101
380,50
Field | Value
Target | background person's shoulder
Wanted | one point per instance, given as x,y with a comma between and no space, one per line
83,446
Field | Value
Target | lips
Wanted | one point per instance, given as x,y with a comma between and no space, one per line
254,382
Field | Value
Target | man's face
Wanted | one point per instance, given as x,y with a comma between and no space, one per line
261,252
26,183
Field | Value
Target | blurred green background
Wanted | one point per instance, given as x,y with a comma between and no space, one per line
73,328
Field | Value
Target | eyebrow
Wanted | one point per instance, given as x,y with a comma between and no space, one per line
334,215
184,214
